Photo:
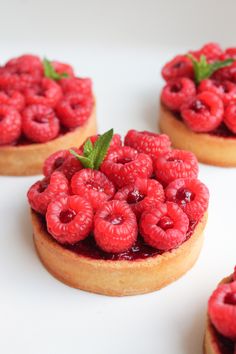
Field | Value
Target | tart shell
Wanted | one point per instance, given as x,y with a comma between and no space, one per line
209,149
27,160
116,278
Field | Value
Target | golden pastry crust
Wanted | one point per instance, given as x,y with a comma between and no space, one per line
209,149
116,278
27,160
211,343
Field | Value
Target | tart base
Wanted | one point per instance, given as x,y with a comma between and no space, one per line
116,278
27,160
209,149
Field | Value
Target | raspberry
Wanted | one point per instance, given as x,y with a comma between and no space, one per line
61,68
230,117
180,66
115,227
203,113
71,165
69,219
234,275
222,309
176,92
191,195
230,53
226,90
225,74
76,84
164,227
74,109
123,165
176,164
48,93
115,142
212,52
39,123
148,143
12,98
10,124
54,161
93,186
43,192
142,195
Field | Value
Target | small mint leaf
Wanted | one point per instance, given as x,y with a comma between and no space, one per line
85,161
101,146
50,72
88,148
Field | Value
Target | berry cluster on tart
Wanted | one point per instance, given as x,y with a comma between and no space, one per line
198,103
220,335
119,218
43,107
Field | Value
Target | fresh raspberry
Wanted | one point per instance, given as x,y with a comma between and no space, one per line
48,93
164,227
142,195
10,124
26,63
92,185
176,92
12,98
43,192
227,73
230,117
115,141
180,66
212,52
148,143
62,68
76,84
226,90
191,195
176,164
115,227
204,112
39,123
69,219
54,162
71,165
74,109
230,53
123,165
222,309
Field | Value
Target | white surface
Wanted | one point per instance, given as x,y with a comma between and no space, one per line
38,314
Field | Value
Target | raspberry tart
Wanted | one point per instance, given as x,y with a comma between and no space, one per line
198,104
220,336
43,107
119,219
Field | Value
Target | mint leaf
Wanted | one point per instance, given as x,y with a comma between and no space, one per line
88,148
85,161
101,146
203,69
50,72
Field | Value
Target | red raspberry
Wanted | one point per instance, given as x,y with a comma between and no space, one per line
164,227
142,195
54,162
61,68
12,98
212,52
226,90
48,93
222,309
230,53
176,164
204,112
69,219
176,92
225,74
115,227
191,195
39,123
76,84
234,275
74,109
123,165
93,186
43,192
115,142
10,124
180,66
26,63
230,117
148,143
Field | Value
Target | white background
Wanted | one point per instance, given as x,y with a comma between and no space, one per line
122,46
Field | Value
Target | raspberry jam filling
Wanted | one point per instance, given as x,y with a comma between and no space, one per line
134,197
184,196
165,223
67,216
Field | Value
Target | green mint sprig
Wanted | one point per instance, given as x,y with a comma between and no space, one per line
203,69
50,72
94,154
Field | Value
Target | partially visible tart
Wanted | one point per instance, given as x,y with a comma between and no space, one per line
43,107
220,334
119,219
198,106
